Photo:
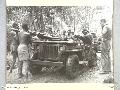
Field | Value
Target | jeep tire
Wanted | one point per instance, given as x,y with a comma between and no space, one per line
72,66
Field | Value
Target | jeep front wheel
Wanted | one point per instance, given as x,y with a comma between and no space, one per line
72,66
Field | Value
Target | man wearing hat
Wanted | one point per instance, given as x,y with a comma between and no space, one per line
87,39
14,45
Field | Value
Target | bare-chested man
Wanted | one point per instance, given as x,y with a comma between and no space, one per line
24,51
14,45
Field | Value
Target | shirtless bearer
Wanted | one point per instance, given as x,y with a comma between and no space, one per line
14,45
23,52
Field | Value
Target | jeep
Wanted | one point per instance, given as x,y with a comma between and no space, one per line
61,53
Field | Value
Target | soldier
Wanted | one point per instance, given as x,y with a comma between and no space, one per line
87,39
106,38
14,45
24,52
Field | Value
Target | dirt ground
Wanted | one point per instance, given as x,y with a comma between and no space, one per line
49,75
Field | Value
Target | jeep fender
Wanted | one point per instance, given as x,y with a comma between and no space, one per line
63,55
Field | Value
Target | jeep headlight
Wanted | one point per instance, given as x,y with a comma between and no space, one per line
62,48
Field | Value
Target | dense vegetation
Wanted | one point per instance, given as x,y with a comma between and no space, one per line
50,19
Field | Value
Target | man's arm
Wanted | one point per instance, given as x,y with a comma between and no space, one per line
29,39
17,38
104,30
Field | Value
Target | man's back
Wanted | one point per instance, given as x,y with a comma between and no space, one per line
24,38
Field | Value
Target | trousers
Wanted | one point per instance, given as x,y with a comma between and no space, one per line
105,56
23,68
24,57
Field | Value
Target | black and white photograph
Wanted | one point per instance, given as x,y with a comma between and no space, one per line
59,44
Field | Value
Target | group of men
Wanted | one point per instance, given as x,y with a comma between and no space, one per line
21,48
22,43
